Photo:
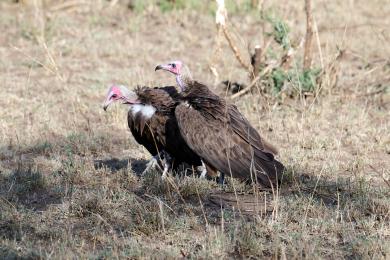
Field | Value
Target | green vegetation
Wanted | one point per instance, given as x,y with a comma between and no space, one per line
301,81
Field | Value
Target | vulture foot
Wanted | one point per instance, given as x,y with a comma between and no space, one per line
167,165
203,171
221,179
152,164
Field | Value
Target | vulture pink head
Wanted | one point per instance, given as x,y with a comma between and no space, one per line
121,93
174,67
178,69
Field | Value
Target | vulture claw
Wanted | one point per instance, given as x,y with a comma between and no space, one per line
165,174
152,164
167,165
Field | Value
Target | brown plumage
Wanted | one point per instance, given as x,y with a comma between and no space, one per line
152,121
221,135
161,132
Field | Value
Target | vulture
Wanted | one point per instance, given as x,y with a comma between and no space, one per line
151,119
221,136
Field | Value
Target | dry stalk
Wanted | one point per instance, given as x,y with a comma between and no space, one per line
256,61
40,20
254,3
113,3
258,4
257,58
235,50
265,71
49,69
69,5
331,72
308,54
160,206
319,44
53,62
220,20
216,55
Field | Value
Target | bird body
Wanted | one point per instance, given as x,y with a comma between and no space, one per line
152,122
223,138
221,135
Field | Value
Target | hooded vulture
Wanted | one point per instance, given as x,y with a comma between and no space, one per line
220,134
151,119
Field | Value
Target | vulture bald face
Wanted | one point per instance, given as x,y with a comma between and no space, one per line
116,93
174,67
181,72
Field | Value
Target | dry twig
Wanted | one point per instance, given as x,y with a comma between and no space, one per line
307,58
235,50
69,5
256,60
265,71
220,20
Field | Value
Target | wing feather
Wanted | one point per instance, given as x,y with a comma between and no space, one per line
243,128
226,147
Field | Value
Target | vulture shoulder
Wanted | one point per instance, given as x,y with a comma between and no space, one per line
164,99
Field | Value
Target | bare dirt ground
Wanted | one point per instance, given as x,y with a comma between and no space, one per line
69,172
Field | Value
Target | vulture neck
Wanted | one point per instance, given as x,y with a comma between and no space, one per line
184,82
184,79
180,82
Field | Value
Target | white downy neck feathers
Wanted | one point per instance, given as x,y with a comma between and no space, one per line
146,110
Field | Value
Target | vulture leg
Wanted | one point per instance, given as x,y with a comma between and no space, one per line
152,164
203,171
167,164
211,171
215,174
221,178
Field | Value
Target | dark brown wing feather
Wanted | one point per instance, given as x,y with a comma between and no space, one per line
145,138
161,131
223,138
242,127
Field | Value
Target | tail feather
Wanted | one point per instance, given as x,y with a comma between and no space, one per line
269,148
269,173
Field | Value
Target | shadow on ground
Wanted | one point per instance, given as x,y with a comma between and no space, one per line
115,164
30,189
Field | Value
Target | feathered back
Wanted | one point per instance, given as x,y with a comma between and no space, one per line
211,105
202,99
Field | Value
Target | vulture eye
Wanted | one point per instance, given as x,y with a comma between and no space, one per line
114,96
173,65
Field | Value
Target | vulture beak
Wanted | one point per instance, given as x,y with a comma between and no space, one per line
107,102
109,98
167,67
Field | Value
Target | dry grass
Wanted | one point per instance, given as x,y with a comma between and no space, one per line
68,171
